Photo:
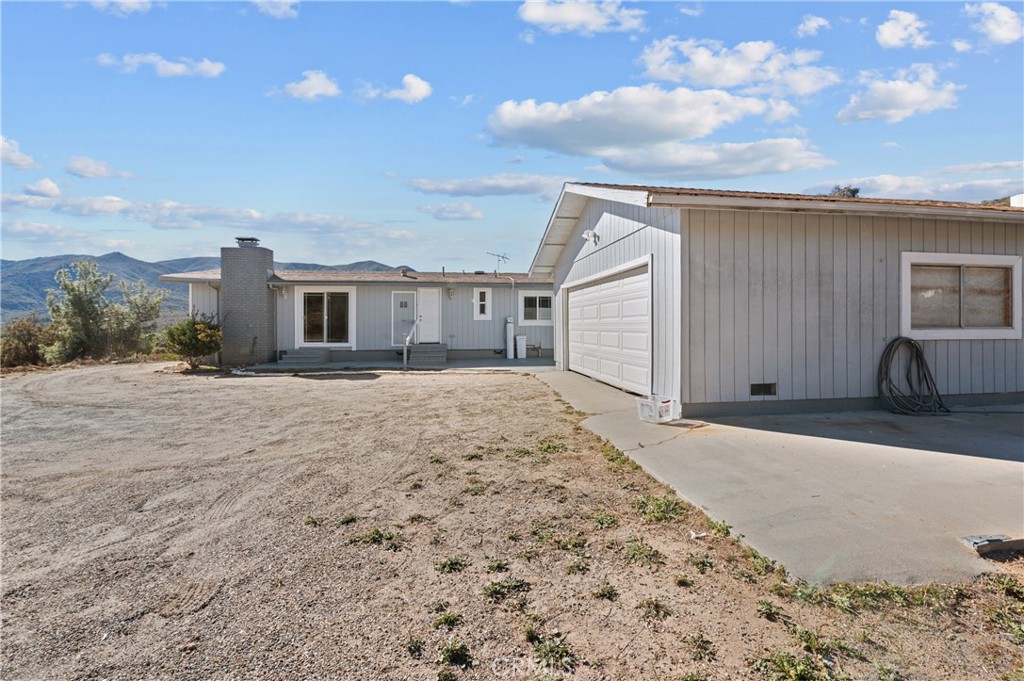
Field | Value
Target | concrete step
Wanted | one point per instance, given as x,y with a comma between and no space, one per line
432,356
305,357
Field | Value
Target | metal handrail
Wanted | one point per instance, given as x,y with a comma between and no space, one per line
405,344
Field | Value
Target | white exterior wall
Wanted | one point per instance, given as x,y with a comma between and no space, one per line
809,301
458,328
625,234
203,299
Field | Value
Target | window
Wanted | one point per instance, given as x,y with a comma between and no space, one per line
960,296
534,308
481,304
324,316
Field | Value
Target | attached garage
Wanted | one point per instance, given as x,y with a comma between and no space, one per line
609,330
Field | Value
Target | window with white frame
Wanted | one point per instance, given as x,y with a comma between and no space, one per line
481,304
534,308
960,296
325,316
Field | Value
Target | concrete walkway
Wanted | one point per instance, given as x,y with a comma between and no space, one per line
854,496
528,365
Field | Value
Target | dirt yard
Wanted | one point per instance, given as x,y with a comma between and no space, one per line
424,526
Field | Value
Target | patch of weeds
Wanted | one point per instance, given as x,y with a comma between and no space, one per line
438,606
577,567
414,646
438,537
549,447
606,592
314,520
496,564
1008,586
417,518
760,564
436,459
701,648
473,456
532,634
554,653
416,486
770,611
604,520
1009,620
527,453
639,552
682,581
347,519
475,489
528,553
560,540
448,619
505,588
811,641
653,609
455,653
884,672
513,536
517,603
661,509
617,461
745,576
782,666
853,597
701,562
446,675
452,564
392,541
692,676
720,528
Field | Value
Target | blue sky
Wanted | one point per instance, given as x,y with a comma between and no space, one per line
430,134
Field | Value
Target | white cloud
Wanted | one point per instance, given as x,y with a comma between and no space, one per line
926,188
414,89
463,101
501,184
314,84
902,30
278,9
989,167
83,166
760,66
599,168
44,187
681,161
962,45
12,154
626,116
694,11
891,145
122,8
998,23
463,210
165,68
914,91
57,235
811,25
166,214
585,17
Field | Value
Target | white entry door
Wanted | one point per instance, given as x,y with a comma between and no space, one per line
428,311
610,330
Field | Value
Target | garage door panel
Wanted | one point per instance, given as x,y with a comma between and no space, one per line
610,331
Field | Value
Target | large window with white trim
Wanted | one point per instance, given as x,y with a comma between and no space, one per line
535,308
960,296
325,316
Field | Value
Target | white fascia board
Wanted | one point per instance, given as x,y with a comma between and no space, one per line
185,279
790,205
633,197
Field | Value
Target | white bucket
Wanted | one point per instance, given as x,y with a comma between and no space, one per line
654,409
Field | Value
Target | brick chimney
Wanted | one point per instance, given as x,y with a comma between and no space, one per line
248,306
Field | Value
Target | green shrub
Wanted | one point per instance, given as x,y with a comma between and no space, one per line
194,338
23,339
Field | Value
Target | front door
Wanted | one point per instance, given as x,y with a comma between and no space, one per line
428,310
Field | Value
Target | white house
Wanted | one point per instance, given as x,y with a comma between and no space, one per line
734,302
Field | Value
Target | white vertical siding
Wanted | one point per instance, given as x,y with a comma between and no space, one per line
810,301
627,233
203,299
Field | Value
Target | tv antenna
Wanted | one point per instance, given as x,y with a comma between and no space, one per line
501,258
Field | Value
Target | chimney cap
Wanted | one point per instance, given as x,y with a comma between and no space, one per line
247,241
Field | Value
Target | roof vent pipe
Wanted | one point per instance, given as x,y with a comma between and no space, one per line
404,271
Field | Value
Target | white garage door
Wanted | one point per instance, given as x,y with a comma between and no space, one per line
610,330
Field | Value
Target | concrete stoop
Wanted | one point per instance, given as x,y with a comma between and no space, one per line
305,357
428,356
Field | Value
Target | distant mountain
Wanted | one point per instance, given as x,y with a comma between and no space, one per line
23,283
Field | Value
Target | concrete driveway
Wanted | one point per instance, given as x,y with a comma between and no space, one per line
850,496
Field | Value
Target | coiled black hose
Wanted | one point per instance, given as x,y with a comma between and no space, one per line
924,397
